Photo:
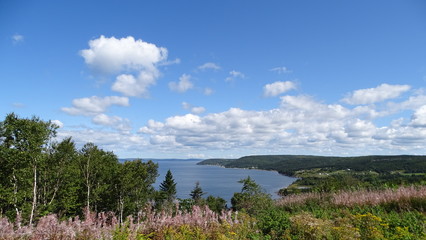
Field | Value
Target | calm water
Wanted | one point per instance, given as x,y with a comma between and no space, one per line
215,180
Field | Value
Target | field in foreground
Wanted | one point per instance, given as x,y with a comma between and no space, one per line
385,214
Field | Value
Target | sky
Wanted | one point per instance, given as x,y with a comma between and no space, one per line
220,79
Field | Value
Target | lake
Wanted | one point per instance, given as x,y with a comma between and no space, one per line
216,180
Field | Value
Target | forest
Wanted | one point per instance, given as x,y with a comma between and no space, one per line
51,189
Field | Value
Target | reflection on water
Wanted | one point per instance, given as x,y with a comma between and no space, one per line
217,181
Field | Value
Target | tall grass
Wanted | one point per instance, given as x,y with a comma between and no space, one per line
106,225
403,196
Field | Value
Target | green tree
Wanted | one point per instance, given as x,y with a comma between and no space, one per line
167,193
197,193
60,186
134,186
251,198
216,204
98,168
25,143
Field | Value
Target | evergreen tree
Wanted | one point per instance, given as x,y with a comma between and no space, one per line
168,187
197,193
251,198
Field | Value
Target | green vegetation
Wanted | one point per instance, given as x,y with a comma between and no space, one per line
40,176
46,186
326,174
290,164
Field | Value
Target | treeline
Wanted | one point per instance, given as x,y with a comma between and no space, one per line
40,176
290,164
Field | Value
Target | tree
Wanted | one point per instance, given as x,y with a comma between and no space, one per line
197,193
59,184
134,186
216,204
251,198
98,169
168,188
24,144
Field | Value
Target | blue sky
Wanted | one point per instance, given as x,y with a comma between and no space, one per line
203,79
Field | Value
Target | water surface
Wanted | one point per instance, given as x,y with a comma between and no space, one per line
216,180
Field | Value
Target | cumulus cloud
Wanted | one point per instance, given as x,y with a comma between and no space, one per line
377,94
183,85
126,56
112,55
234,75
194,110
112,121
418,119
58,123
132,86
121,142
209,65
300,123
94,105
280,70
277,88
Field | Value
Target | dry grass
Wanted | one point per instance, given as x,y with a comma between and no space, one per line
400,195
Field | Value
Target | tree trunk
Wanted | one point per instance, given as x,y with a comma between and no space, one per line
34,195
88,183
121,208
15,193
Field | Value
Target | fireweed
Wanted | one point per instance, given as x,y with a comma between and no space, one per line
357,198
106,225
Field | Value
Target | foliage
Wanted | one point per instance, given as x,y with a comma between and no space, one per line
47,185
251,199
197,193
216,204
290,164
168,187
41,176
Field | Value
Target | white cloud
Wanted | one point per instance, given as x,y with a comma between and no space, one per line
17,38
234,75
112,121
209,65
301,123
122,143
94,105
167,63
378,94
124,55
194,110
198,110
280,70
419,117
183,85
277,88
196,155
133,87
58,123
186,105
111,55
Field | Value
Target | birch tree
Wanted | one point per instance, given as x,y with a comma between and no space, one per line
24,143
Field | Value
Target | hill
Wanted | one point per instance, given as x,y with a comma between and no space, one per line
290,164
